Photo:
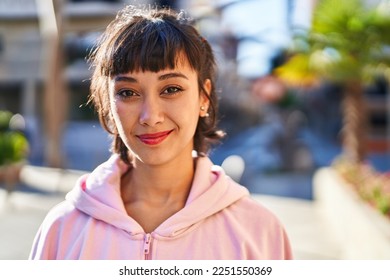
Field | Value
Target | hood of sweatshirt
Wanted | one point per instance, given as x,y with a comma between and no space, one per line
98,195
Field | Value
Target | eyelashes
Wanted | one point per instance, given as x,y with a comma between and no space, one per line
126,93
169,91
172,90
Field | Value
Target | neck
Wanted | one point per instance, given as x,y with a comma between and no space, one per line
159,185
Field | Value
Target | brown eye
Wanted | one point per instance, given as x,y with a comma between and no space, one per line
172,90
126,93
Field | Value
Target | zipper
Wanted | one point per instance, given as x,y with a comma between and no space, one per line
147,246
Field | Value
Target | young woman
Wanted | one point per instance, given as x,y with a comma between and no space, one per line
159,196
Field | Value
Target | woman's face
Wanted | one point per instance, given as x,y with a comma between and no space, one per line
156,113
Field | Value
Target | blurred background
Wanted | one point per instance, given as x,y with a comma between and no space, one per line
277,135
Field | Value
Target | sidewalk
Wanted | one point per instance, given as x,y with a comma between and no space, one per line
21,214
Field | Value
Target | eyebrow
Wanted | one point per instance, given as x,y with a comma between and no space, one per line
172,75
123,78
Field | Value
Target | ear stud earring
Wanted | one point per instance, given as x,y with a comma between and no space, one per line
202,108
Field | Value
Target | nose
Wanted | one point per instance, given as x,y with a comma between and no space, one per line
151,112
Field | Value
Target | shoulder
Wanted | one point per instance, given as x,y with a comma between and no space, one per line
59,216
55,231
257,230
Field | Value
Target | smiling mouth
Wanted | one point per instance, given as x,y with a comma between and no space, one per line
154,138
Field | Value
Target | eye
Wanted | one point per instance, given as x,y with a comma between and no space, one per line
172,90
126,93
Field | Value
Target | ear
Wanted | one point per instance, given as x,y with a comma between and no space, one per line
204,98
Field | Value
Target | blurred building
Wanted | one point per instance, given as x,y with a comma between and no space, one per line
27,31
22,51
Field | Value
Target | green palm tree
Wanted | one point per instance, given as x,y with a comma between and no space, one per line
348,43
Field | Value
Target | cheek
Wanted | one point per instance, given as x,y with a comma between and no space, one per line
187,116
114,111
119,115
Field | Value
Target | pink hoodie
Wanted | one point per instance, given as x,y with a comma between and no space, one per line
219,221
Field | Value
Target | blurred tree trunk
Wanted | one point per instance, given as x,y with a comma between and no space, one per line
355,122
55,92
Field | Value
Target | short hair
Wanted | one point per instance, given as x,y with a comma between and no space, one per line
151,39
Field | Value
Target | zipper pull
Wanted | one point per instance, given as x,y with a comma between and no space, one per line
147,241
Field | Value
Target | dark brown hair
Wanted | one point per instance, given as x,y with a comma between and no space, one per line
151,39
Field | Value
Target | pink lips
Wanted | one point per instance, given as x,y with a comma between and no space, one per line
154,138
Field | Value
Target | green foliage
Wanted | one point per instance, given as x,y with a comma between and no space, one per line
5,118
347,41
13,144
